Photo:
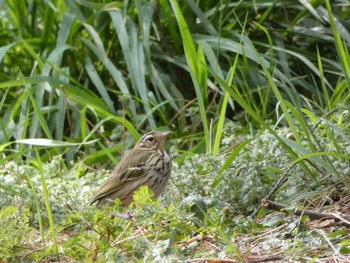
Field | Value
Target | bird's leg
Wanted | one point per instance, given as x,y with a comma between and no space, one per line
128,215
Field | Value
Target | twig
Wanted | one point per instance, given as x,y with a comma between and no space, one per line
259,237
247,259
116,240
325,116
311,214
212,260
280,182
191,240
283,178
268,258
341,218
328,241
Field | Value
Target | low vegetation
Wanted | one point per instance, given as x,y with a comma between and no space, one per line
256,95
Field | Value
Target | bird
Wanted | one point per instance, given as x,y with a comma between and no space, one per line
146,164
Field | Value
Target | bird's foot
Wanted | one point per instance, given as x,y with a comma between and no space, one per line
128,215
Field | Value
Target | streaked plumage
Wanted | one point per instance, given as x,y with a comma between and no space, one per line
146,164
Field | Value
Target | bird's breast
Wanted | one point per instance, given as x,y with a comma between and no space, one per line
159,172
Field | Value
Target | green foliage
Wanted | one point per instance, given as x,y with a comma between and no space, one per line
143,197
254,92
72,76
14,233
207,195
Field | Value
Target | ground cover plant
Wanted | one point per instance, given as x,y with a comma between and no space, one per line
255,94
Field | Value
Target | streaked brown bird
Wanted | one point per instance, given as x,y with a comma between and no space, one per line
146,164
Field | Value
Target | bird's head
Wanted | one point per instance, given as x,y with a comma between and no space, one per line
153,140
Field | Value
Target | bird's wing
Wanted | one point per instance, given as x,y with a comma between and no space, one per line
114,183
124,174
132,160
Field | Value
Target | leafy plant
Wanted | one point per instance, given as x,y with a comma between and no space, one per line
256,94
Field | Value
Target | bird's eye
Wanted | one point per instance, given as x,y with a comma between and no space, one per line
150,139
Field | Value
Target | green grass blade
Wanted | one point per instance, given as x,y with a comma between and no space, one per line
53,143
196,68
46,194
38,206
91,71
40,117
343,53
220,124
4,49
133,51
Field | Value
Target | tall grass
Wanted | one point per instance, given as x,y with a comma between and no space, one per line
104,60
101,69
274,80
84,79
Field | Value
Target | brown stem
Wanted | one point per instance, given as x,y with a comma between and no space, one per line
311,214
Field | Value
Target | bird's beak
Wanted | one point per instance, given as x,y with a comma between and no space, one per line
165,134
163,137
